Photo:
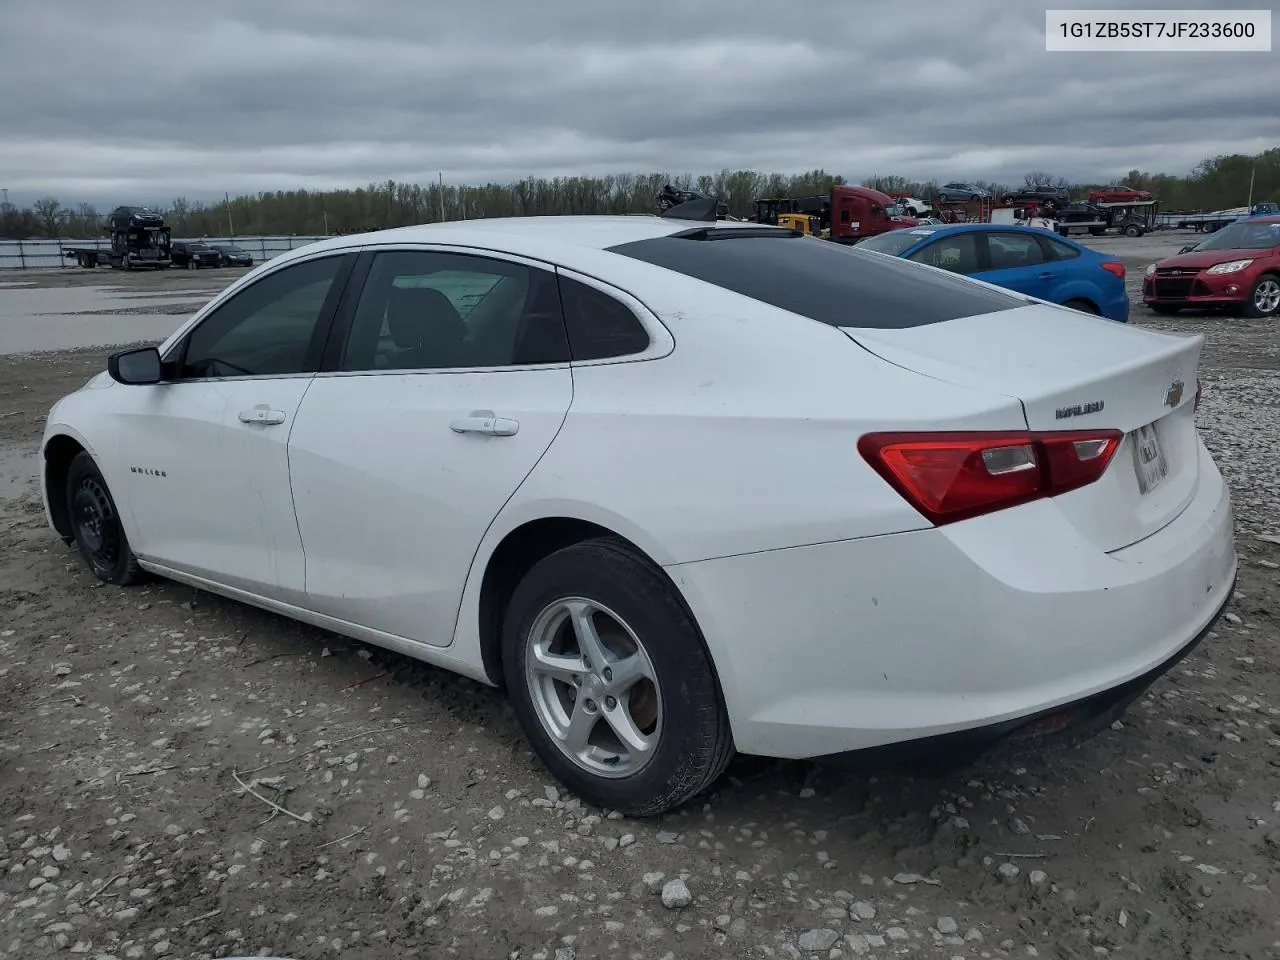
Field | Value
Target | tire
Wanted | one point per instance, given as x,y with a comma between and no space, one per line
1133,230
95,523
1264,298
1163,309
1084,306
192,265
975,197
643,621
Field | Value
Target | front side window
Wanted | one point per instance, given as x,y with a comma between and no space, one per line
957,253
429,310
268,329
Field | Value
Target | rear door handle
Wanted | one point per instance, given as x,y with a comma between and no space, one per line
262,414
484,421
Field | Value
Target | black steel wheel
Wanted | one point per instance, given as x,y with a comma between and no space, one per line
96,527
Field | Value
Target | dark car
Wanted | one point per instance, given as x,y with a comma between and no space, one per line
1038,196
193,255
233,256
1237,268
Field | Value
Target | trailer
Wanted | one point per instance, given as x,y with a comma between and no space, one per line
140,240
1132,218
1215,221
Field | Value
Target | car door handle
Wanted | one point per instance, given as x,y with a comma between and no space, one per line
484,421
262,414
1047,275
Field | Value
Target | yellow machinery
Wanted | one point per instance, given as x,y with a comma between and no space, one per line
783,213
806,223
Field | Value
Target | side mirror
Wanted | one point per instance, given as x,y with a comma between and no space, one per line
135,367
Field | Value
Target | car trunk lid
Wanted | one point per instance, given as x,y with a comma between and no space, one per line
1072,371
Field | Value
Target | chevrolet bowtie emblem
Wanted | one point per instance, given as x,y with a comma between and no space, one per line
1174,396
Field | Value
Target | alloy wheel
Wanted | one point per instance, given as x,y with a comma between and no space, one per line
1266,297
593,687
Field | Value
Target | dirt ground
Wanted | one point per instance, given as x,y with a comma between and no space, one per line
183,776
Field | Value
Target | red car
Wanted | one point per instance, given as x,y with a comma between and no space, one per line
1238,268
1119,195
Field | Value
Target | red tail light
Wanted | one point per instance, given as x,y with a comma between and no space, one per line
1114,266
954,476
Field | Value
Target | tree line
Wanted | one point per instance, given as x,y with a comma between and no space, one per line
1216,183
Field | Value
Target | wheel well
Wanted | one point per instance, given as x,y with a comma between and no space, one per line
58,454
515,556
1093,307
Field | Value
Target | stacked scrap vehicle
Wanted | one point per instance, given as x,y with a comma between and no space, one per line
140,240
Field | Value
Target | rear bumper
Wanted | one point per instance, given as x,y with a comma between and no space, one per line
977,627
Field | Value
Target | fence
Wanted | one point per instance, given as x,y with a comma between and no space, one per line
50,254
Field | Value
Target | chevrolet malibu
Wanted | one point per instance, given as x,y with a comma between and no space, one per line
681,488
1237,267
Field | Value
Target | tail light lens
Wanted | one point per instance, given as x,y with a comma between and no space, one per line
1114,266
954,476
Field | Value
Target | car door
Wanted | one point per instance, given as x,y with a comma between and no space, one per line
1016,260
451,379
206,450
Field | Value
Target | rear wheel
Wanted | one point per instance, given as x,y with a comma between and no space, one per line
1264,299
611,681
95,524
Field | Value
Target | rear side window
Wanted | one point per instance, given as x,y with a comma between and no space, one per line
822,280
599,326
1057,250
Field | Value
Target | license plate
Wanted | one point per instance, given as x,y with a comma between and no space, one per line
1148,459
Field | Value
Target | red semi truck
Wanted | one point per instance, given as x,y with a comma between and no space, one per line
848,214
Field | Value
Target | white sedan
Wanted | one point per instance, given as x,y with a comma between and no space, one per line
682,488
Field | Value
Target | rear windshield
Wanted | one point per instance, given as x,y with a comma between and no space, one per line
825,281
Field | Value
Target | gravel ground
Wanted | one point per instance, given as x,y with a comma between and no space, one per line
183,776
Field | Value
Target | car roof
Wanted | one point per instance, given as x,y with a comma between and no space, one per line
951,228
560,239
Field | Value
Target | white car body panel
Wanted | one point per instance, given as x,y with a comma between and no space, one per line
1050,364
836,615
1014,613
222,510
395,557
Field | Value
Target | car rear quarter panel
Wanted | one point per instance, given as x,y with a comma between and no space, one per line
744,438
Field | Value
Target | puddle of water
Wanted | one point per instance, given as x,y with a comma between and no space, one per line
19,471
57,318
70,331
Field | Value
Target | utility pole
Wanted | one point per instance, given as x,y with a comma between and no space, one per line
231,230
441,184
1252,174
5,192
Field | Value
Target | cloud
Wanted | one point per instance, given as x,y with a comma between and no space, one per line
117,104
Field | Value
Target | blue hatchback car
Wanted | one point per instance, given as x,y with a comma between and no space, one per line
1028,260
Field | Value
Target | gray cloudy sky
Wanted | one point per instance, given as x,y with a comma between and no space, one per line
142,102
